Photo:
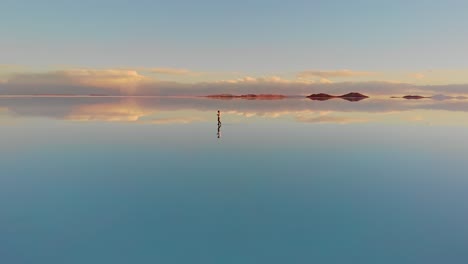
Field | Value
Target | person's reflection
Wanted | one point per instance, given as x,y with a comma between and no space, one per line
219,124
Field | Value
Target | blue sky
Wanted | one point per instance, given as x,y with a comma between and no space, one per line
418,42
255,36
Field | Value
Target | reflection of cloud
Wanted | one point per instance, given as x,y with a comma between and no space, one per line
123,111
186,110
269,114
333,74
60,107
415,118
173,120
126,111
331,119
326,117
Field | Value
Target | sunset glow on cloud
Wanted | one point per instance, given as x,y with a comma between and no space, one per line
172,71
85,81
333,74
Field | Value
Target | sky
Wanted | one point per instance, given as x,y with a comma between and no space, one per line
194,42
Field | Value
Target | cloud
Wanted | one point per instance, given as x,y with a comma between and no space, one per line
131,82
325,80
252,80
333,74
105,78
10,67
173,71
74,81
418,76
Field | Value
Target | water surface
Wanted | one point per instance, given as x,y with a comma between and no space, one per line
153,180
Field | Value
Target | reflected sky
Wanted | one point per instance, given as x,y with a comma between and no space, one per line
157,180
183,110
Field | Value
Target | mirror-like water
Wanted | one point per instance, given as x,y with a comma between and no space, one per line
159,180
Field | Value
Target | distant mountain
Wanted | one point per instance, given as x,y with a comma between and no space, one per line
321,97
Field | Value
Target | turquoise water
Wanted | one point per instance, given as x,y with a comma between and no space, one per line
128,180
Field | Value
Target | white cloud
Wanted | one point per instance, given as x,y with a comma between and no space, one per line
265,79
324,80
332,74
173,71
418,76
113,78
131,82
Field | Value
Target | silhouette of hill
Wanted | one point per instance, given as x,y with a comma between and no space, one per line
321,96
353,95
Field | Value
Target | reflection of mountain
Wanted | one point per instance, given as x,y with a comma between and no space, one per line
180,110
410,97
352,97
248,96
437,97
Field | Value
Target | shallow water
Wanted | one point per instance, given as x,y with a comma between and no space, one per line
147,180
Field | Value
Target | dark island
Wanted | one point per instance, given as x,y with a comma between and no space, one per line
248,96
352,97
321,96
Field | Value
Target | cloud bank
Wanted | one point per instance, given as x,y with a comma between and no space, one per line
333,74
173,71
131,82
